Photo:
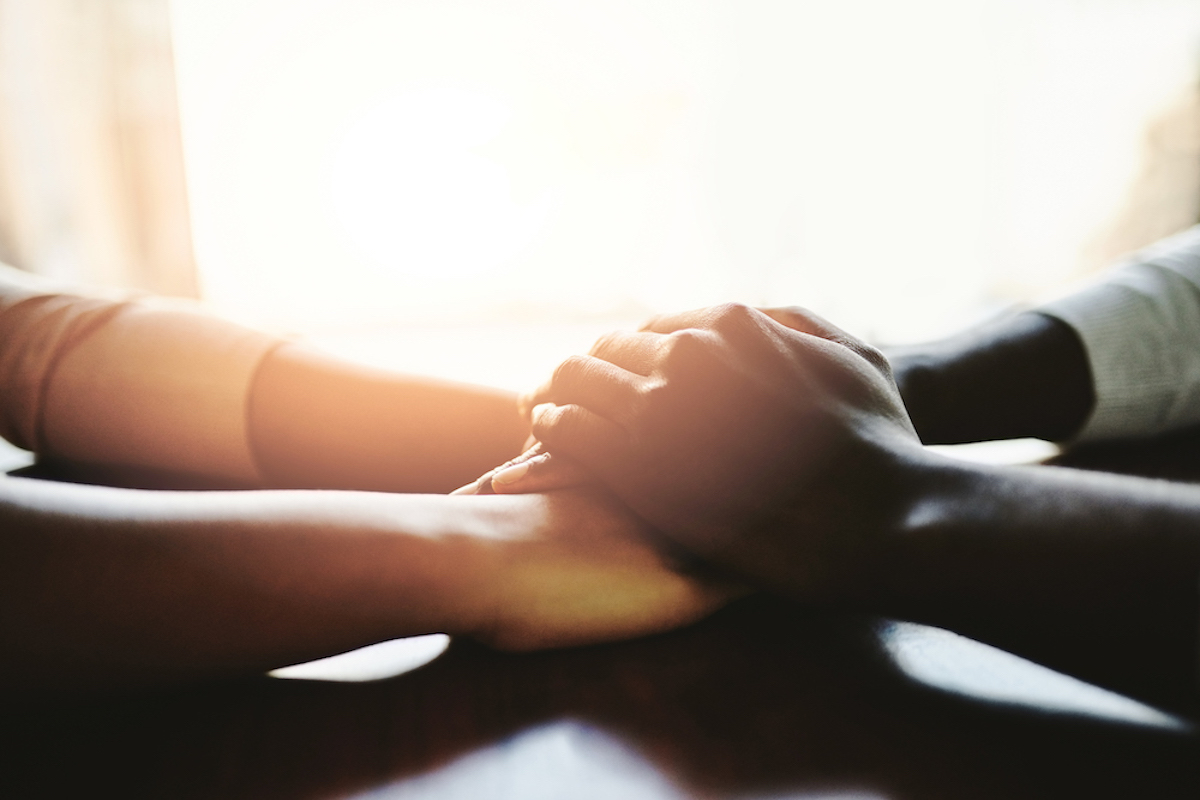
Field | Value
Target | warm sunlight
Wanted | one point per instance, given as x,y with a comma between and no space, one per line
901,168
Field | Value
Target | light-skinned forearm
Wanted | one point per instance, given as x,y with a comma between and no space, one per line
151,386
1095,575
315,421
108,586
103,585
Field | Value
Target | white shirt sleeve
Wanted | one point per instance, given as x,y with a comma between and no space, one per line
1140,325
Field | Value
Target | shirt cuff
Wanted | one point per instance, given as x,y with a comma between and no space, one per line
1141,330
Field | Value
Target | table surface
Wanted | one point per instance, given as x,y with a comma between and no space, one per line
765,699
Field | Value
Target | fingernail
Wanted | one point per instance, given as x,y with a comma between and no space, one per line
512,474
481,485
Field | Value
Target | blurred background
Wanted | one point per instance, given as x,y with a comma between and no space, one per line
475,189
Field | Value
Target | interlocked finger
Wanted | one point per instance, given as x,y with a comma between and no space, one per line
635,352
594,384
669,323
805,321
598,443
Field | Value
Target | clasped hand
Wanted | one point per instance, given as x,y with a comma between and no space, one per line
768,442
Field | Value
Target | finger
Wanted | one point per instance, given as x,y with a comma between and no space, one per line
570,375
483,484
724,316
669,323
635,352
601,387
542,473
597,443
527,400
805,321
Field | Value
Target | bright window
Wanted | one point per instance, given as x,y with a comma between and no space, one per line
445,167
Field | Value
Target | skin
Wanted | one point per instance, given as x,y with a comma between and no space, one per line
104,587
780,449
378,430
1020,376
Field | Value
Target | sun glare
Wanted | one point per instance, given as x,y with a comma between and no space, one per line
420,201
899,167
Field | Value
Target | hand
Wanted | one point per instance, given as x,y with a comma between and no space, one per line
585,570
770,442
535,470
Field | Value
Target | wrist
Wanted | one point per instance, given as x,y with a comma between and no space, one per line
446,564
930,548
920,492
851,557
1022,376
919,374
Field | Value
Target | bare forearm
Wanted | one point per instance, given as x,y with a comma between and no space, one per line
104,585
1096,575
145,387
318,422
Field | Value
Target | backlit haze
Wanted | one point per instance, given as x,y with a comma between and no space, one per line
493,183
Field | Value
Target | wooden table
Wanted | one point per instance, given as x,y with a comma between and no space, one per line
763,700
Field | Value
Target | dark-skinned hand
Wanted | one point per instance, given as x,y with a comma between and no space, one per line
768,442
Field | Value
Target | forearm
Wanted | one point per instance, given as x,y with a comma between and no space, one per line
316,421
104,586
1095,575
149,386
1024,375
101,585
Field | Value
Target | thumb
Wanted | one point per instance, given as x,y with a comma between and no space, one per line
541,473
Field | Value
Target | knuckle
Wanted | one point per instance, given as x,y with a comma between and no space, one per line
569,370
654,395
732,319
810,321
684,345
800,319
800,313
545,423
874,356
734,311
606,344
731,308
554,423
